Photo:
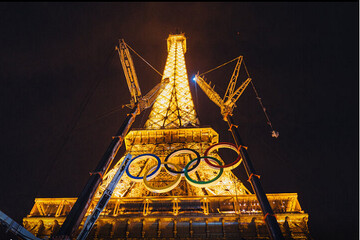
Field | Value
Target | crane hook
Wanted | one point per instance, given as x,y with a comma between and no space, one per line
275,134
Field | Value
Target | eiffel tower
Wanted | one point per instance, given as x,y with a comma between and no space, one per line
169,206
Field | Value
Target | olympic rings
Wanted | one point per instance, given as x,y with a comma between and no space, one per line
177,152
223,145
166,188
202,184
179,172
141,157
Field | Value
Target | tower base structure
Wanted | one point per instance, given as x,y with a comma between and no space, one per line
212,217
144,215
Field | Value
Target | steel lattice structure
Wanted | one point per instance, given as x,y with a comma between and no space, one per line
174,107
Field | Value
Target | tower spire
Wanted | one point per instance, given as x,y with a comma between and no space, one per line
174,107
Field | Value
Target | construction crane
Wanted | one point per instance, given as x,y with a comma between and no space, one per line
227,104
137,104
132,80
15,228
129,71
104,199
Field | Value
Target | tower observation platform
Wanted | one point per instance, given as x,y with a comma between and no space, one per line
167,193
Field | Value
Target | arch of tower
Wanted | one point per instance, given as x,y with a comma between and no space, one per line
224,210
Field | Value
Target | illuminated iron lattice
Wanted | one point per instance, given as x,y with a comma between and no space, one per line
174,108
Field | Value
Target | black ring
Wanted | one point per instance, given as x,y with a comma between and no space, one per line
182,172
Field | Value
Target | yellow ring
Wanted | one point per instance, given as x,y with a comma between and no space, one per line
166,188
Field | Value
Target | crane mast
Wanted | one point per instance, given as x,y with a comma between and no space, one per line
227,104
129,71
230,103
233,80
209,91
92,218
15,228
137,105
132,80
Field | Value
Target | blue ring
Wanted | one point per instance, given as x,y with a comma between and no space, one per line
150,175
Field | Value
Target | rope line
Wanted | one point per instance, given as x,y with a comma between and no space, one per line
114,110
262,106
275,134
144,60
72,125
246,70
119,108
219,66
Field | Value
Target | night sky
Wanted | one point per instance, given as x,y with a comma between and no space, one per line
62,86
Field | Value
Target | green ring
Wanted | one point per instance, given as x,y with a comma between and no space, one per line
192,181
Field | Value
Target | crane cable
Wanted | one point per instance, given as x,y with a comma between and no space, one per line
274,133
140,123
219,66
65,137
120,107
144,60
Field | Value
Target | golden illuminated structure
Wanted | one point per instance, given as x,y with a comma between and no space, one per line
174,108
224,209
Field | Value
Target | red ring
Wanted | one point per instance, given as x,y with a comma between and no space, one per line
224,166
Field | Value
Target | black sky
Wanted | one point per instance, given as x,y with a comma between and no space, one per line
302,57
